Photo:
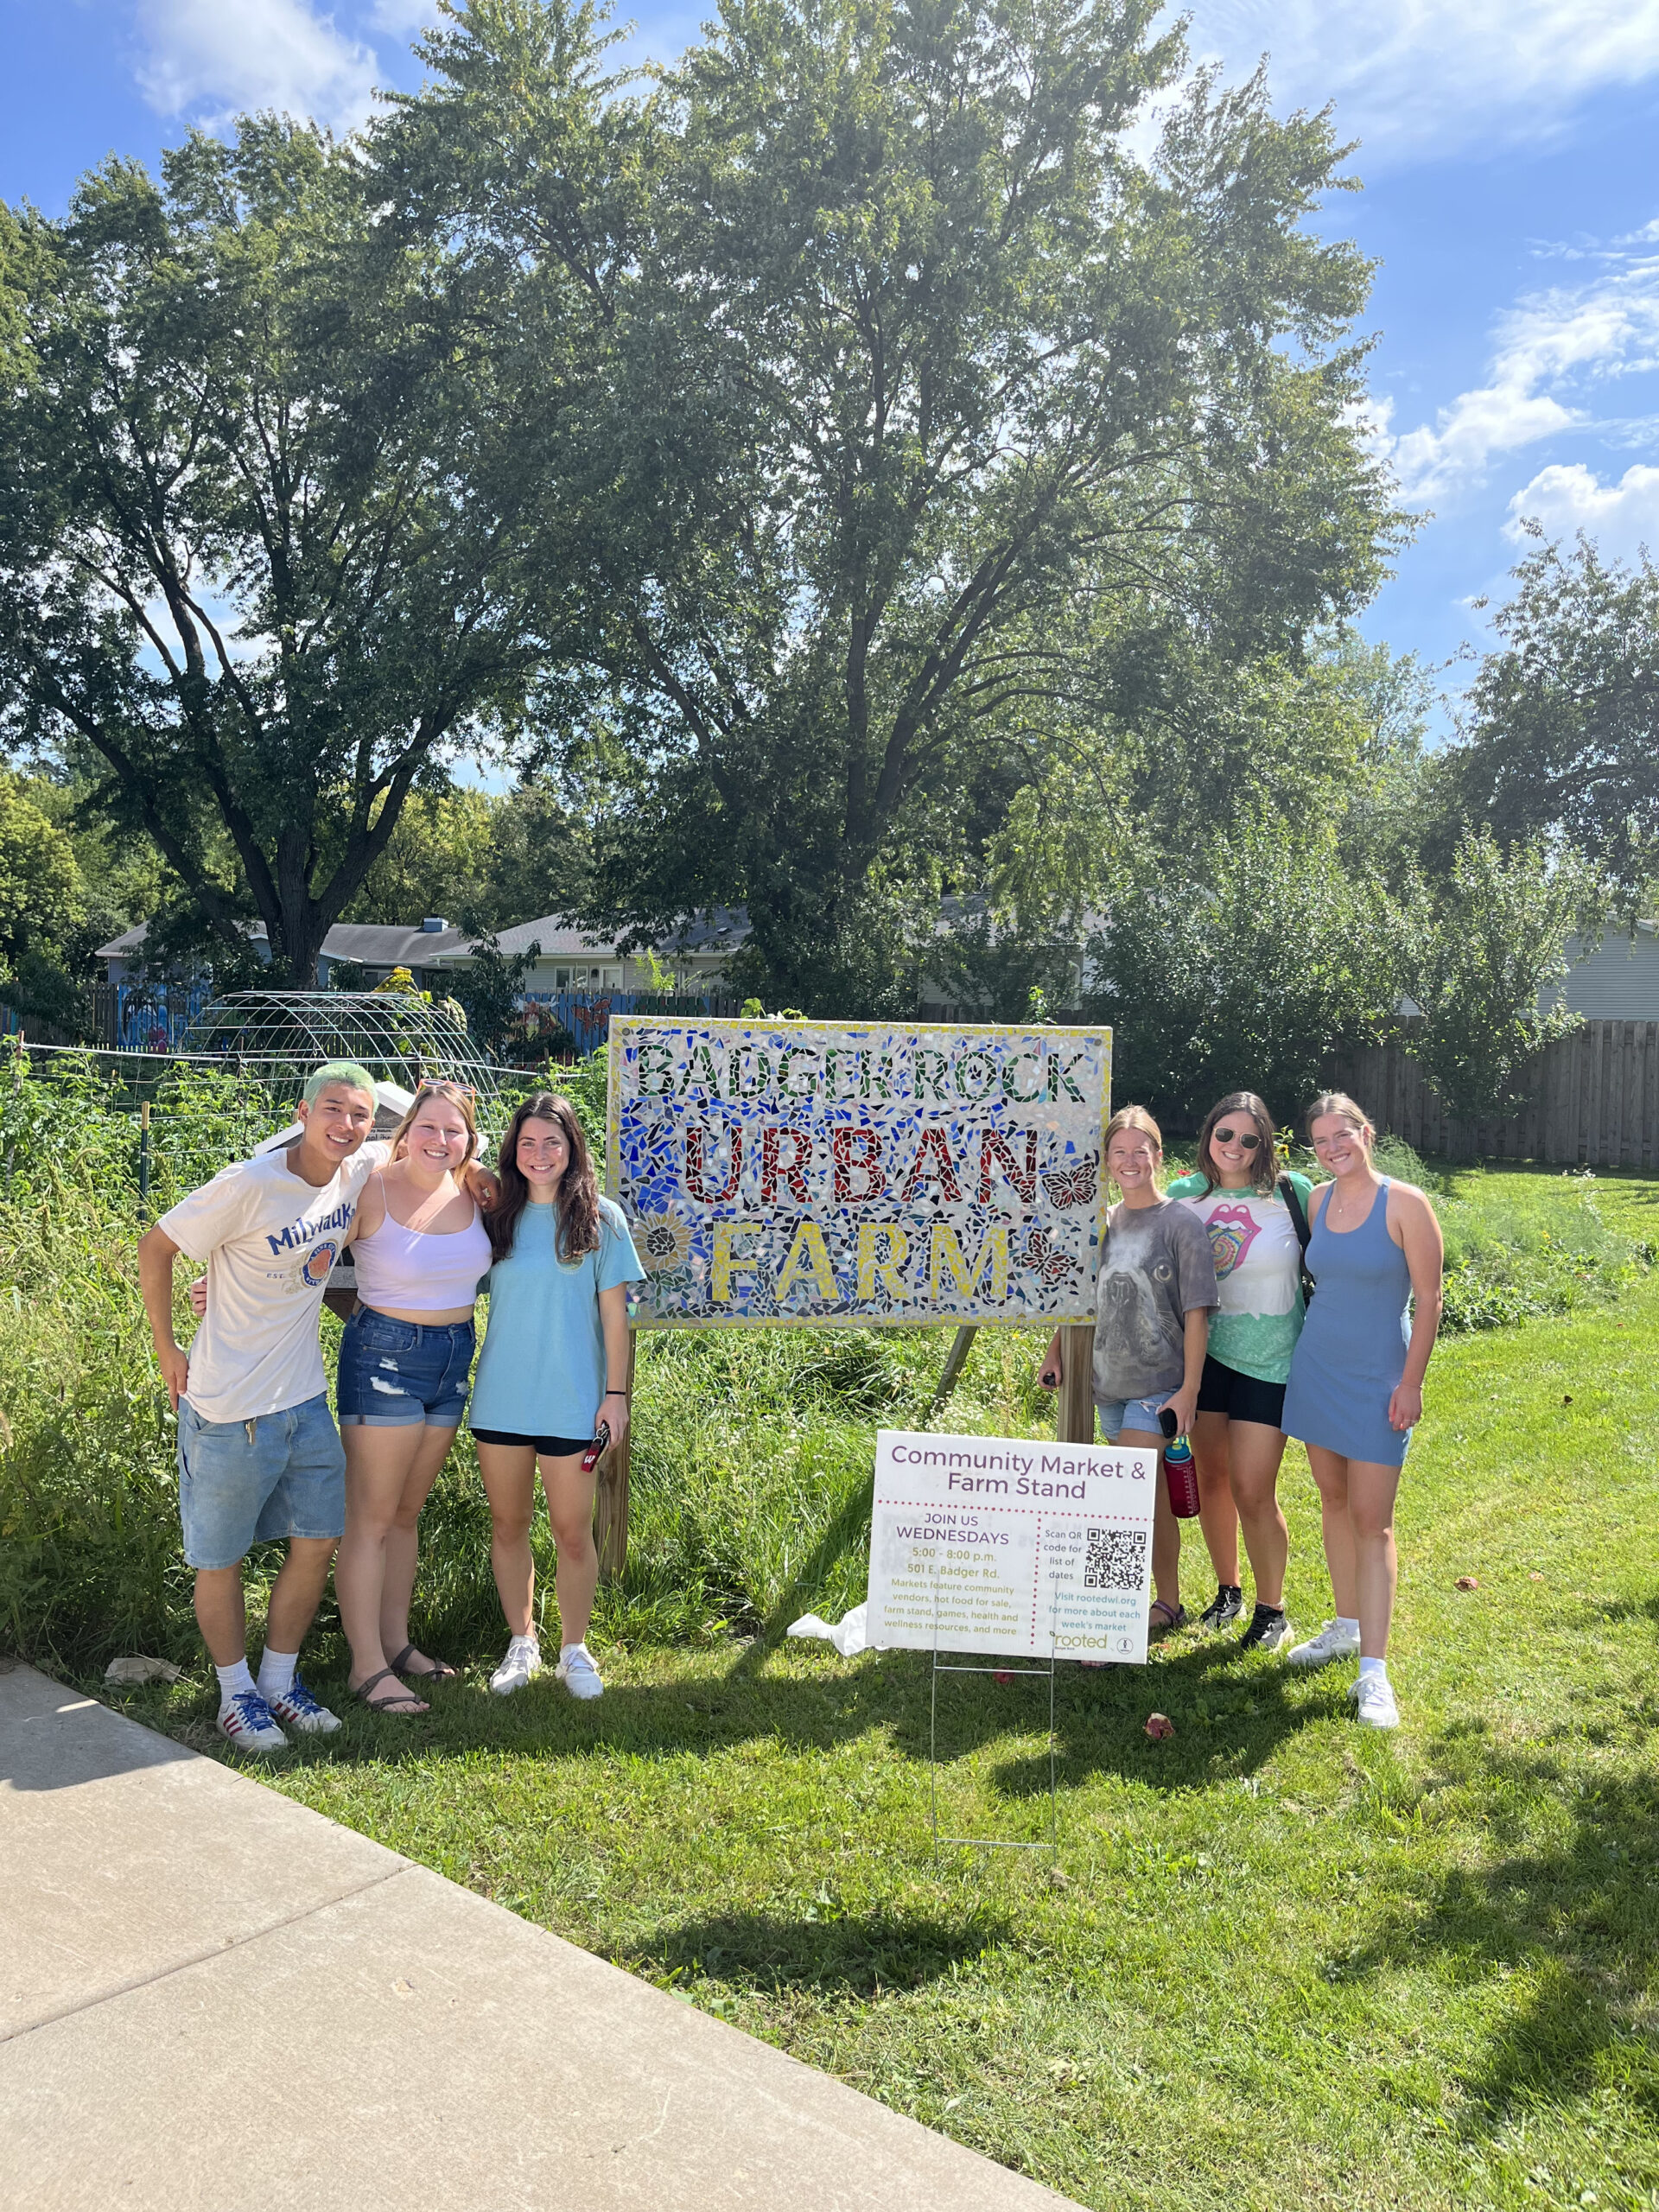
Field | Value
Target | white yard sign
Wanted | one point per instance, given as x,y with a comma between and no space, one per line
1000,1545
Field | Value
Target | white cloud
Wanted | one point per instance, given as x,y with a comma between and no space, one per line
214,58
1415,79
405,17
1619,517
1553,349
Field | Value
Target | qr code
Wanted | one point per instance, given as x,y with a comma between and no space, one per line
1116,1559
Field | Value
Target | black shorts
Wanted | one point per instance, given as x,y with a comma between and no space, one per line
547,1448
1241,1397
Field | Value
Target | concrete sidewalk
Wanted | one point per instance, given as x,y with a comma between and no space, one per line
214,1999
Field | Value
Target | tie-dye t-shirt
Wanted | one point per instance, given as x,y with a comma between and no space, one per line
1258,1274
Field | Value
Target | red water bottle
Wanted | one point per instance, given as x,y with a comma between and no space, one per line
1182,1476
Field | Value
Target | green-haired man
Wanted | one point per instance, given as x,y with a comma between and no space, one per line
259,1456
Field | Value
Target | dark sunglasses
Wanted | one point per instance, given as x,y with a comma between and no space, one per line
1247,1140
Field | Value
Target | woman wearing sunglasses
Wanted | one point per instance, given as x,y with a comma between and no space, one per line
1238,1436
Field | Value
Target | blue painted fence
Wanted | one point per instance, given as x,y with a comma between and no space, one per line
585,1016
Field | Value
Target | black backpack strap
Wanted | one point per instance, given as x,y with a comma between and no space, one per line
1287,1191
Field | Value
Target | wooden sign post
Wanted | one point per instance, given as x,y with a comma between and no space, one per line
838,1174
1074,1414
611,1500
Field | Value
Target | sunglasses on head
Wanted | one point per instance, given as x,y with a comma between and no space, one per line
1247,1140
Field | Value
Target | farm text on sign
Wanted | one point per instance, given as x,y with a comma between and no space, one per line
831,1173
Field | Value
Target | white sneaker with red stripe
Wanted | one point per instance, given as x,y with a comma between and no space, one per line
248,1722
297,1707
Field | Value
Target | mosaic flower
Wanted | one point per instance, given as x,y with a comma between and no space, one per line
662,1244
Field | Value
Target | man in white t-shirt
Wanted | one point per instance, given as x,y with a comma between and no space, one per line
259,1456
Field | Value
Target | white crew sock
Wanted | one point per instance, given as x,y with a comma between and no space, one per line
276,1672
1374,1667
1348,1628
232,1680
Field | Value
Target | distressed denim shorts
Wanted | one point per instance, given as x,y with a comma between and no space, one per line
248,1482
1118,1414
402,1373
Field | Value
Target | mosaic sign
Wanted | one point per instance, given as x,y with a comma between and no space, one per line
1004,1544
812,1172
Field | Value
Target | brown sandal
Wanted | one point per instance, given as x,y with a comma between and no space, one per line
401,1700
438,1671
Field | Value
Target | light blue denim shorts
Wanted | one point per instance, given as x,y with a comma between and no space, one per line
243,1482
1118,1414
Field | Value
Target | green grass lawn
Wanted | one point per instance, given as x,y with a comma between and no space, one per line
1275,1961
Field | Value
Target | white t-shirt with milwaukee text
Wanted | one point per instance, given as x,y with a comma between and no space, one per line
268,1238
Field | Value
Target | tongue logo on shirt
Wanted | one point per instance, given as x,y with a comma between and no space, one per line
318,1263
1232,1232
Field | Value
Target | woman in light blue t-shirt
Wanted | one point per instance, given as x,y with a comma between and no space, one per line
554,1367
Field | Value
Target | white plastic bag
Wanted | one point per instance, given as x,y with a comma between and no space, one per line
134,1668
846,1634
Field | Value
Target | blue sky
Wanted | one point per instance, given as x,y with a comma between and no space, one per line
1510,197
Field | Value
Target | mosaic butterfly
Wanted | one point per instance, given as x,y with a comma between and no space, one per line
1071,1186
1052,1266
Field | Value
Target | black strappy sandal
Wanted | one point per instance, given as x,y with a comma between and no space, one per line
438,1671
402,1702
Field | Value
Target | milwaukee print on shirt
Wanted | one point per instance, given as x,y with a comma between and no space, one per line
269,1239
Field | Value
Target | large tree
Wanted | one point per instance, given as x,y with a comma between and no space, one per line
939,417
1563,737
261,518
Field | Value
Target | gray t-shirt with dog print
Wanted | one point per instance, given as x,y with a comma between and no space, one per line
1156,1266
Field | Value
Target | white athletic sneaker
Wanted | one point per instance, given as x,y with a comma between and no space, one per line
246,1720
1332,1643
522,1664
296,1705
577,1672
1374,1702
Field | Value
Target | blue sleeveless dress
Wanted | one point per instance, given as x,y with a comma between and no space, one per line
1352,1352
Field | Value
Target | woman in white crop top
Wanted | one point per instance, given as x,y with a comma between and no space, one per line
405,1359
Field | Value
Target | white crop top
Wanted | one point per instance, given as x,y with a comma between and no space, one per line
411,1272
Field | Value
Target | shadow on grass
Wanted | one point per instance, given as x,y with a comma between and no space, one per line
1229,1717
1573,1930
835,1953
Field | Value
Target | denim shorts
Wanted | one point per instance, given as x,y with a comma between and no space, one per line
1118,1414
248,1482
402,1373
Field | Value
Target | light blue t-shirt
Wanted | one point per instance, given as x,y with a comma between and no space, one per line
542,1370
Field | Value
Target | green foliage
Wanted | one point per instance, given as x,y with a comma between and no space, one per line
1479,954
259,520
933,425
1565,726
496,859
492,987
1258,954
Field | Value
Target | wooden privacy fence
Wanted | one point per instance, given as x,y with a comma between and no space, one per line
1594,1101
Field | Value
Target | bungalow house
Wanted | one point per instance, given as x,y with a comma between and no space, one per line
574,959
376,947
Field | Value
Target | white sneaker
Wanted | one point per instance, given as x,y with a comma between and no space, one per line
522,1664
246,1720
1374,1702
1332,1643
577,1672
296,1705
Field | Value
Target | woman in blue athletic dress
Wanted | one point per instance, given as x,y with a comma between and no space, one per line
1356,1388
